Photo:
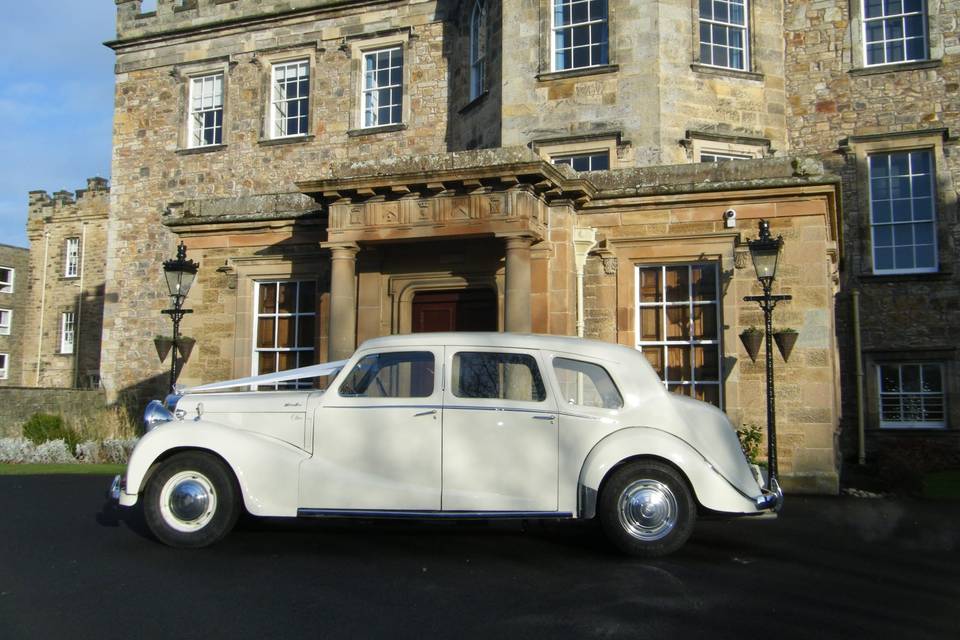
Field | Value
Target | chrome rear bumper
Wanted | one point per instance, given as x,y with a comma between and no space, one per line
771,499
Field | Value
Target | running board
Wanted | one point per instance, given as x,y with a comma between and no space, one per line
432,515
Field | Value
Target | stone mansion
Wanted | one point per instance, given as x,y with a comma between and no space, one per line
345,169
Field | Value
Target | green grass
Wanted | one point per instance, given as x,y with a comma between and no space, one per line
54,469
942,485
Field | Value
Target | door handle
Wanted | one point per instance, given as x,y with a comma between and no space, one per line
543,418
431,412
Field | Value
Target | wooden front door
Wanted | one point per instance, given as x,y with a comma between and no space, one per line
462,310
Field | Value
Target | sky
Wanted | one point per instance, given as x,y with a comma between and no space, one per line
56,102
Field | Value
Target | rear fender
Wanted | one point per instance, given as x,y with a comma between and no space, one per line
267,469
710,489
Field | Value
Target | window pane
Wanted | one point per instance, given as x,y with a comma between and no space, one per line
268,298
650,282
586,384
391,375
678,323
285,332
705,322
504,376
677,284
288,297
654,356
678,364
650,324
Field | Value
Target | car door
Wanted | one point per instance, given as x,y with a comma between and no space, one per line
377,436
499,432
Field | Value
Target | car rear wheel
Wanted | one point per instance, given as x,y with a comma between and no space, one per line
191,501
646,509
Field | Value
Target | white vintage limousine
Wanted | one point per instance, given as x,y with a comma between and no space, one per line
447,425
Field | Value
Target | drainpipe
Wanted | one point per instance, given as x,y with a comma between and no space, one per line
583,241
43,297
76,326
861,438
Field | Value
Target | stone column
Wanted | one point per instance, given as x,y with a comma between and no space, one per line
516,306
343,300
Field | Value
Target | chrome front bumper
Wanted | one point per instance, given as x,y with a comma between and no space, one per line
116,488
771,499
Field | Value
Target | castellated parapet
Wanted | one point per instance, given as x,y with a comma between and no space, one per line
173,15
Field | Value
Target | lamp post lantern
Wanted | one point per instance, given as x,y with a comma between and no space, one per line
179,274
765,253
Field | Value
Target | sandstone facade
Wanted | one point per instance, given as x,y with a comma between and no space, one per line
68,242
14,303
343,232
844,110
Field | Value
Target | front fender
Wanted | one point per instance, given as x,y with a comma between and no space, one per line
266,469
711,489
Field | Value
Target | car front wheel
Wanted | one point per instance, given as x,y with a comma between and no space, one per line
191,501
646,509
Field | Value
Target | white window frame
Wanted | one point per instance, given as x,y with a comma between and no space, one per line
6,321
875,226
210,87
902,17
68,331
374,90
71,265
478,49
691,342
276,315
280,128
727,25
555,30
723,156
921,396
6,286
4,365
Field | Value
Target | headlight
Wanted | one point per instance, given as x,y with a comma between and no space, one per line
155,414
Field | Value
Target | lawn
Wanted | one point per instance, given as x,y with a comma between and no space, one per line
942,485
49,469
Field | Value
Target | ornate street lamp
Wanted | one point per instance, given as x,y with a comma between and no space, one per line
180,274
765,252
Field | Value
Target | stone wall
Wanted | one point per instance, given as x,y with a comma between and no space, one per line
15,301
19,403
653,91
841,110
51,220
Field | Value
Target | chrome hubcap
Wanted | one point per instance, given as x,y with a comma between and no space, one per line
188,501
648,510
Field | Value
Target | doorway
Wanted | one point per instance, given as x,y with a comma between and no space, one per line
458,310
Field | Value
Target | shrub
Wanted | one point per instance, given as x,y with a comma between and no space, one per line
16,450
750,438
53,452
43,427
106,452
108,423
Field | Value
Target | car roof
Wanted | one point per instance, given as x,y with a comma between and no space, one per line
566,344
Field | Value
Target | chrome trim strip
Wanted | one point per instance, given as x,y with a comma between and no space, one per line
431,515
480,408
384,406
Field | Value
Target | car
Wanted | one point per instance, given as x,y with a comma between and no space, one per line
452,426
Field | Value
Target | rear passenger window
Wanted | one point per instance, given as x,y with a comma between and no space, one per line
497,376
586,384
406,374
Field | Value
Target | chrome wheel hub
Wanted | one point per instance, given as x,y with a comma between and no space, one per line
188,501
648,510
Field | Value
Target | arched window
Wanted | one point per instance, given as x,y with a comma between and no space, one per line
478,49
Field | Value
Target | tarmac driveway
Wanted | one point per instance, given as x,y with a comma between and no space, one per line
827,568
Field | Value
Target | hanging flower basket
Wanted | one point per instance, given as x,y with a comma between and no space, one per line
185,346
163,345
785,339
752,338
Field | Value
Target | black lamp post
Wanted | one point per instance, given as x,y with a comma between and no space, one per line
765,252
179,274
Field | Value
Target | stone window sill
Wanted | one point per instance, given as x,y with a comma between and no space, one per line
729,73
272,142
577,73
892,68
212,148
369,131
470,106
879,278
